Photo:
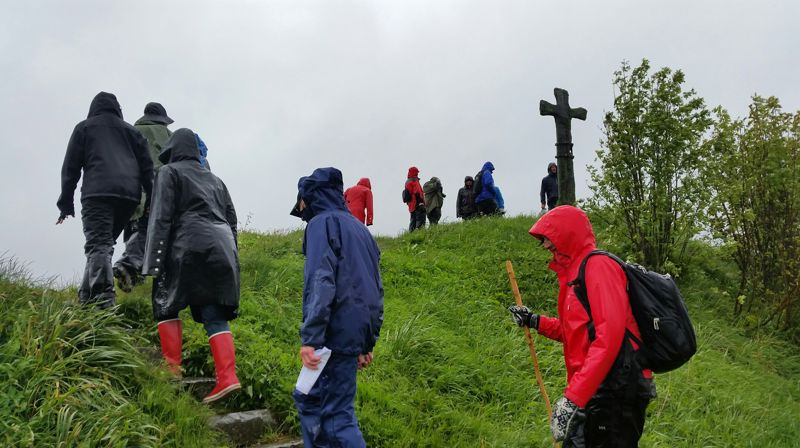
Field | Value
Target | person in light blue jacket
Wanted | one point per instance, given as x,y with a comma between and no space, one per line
342,309
501,204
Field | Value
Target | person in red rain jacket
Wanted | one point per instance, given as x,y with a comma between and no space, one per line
359,197
607,392
416,206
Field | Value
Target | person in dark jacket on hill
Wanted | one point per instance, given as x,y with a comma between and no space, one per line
434,199
192,252
485,199
607,392
342,309
117,170
549,192
359,198
465,203
153,126
416,204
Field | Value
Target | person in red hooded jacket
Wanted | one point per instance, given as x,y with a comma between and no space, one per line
416,204
607,392
358,198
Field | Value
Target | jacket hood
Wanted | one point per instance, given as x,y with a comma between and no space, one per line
468,179
322,191
569,230
488,166
154,113
435,180
364,182
413,172
550,165
104,103
182,145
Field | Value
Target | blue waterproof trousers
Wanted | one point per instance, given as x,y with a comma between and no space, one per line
327,414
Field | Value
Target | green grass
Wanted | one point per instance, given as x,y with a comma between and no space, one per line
72,377
452,370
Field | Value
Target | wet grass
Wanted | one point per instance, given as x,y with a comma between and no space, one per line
451,370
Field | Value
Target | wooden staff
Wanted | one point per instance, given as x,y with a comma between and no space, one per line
513,279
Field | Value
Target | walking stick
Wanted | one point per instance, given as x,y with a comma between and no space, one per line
513,279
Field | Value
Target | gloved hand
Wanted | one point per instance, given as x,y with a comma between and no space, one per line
63,216
567,418
523,316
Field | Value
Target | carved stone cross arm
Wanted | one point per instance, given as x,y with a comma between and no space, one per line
562,114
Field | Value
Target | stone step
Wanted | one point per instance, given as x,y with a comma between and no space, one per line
152,354
285,444
199,387
243,428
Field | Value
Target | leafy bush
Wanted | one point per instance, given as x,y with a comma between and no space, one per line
647,176
753,175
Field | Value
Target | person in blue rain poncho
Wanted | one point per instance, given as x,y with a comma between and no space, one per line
342,309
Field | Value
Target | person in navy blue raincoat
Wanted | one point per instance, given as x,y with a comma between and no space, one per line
486,199
342,309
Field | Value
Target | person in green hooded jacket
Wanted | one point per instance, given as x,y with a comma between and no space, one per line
434,198
153,126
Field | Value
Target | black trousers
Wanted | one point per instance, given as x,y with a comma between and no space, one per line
609,424
487,207
103,218
417,219
434,215
552,202
133,257
615,414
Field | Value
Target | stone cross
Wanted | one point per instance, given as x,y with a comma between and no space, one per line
563,115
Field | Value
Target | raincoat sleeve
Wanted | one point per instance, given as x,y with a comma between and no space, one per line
369,207
230,216
541,192
322,243
71,171
159,226
377,317
142,153
606,288
550,327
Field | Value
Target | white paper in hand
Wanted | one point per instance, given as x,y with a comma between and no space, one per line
308,377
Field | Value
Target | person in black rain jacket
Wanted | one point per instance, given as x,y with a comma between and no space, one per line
192,251
117,168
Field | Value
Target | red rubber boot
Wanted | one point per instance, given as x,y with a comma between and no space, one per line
225,365
170,332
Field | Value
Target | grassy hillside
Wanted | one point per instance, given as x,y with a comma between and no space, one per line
72,377
451,369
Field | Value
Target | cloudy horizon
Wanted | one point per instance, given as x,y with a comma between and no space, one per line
279,88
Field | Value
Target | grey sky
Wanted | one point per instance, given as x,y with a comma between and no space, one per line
277,88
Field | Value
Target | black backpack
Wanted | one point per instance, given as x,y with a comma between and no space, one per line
406,195
477,184
668,339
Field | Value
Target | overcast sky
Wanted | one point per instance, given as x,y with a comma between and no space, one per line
277,88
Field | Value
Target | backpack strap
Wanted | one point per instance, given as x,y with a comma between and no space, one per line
579,287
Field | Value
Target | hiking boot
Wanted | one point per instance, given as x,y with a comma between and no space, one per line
225,365
124,279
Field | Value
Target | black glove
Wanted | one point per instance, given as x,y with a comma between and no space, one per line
66,211
567,418
523,317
